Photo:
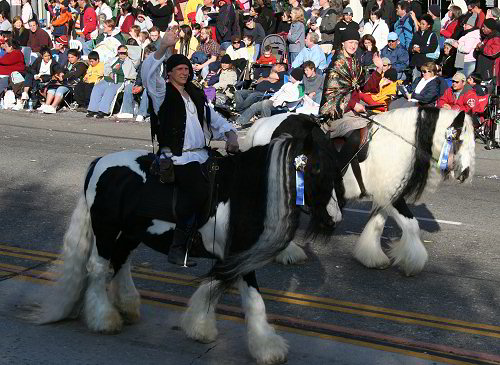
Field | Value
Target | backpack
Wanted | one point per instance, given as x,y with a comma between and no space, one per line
433,55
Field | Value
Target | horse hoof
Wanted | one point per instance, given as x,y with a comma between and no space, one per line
268,350
383,266
292,254
110,324
131,318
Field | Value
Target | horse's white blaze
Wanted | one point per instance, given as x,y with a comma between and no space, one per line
409,252
367,249
292,254
264,344
333,209
100,314
123,158
212,244
124,294
198,322
159,227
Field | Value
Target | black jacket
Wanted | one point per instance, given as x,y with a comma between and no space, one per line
329,18
22,38
225,23
34,69
267,20
160,16
426,46
448,66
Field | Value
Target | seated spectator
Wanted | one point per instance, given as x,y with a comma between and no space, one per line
144,39
289,92
250,47
38,37
196,30
474,80
208,46
311,52
109,31
134,32
313,82
40,71
245,98
143,21
94,74
136,89
236,51
160,14
73,73
56,82
88,21
286,22
466,45
460,96
267,57
60,50
256,31
60,24
13,60
102,7
116,71
202,15
397,55
386,89
187,44
448,68
154,35
488,50
19,33
296,35
227,74
5,25
368,49
377,28
454,14
426,89
127,18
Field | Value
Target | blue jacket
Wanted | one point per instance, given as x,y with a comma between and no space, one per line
314,54
404,28
429,94
400,59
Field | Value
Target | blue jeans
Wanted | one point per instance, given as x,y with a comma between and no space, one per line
469,68
264,107
225,45
60,91
244,98
102,96
129,102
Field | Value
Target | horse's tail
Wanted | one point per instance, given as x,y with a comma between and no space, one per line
70,287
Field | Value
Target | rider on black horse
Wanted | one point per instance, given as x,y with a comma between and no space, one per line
184,120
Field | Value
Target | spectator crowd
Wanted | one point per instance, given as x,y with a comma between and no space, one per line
257,58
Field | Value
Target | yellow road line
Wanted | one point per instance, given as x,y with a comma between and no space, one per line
309,301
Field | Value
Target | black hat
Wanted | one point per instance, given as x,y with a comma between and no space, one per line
226,59
391,74
178,59
297,73
490,23
350,34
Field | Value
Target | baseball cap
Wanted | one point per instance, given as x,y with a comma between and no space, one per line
347,10
392,36
386,61
458,77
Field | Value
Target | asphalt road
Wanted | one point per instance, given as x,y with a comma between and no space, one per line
331,309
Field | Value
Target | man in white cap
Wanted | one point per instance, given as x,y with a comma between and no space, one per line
460,96
345,23
398,56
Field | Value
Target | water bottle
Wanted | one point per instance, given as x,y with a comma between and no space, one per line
1,103
30,105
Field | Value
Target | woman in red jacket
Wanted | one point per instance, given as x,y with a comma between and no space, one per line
449,27
127,18
12,60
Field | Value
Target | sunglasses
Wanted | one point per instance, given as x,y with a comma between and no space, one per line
122,52
455,81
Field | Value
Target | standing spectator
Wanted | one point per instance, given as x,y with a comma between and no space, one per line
396,54
329,19
387,12
311,52
187,44
225,23
143,21
435,13
160,14
94,74
488,50
60,24
127,18
256,31
88,20
26,12
38,37
19,32
189,11
454,13
448,68
102,7
296,35
265,16
211,49
116,72
345,24
492,13
466,45
404,26
12,60
423,44
313,82
5,25
460,96
377,28
474,6
285,23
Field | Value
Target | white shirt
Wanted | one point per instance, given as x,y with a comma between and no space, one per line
6,26
194,135
106,10
26,14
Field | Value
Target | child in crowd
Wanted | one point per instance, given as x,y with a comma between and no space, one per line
94,74
267,57
315,19
196,30
206,17
387,88
144,39
227,74
250,47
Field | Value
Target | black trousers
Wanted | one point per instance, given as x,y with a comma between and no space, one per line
192,192
82,93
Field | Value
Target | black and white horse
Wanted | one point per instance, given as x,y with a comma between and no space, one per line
254,218
401,163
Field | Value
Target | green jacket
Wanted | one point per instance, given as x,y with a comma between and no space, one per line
118,36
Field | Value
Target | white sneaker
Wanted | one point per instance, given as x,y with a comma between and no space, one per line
125,116
24,96
42,108
139,118
49,109
19,105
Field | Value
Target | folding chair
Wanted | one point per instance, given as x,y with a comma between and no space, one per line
75,44
135,54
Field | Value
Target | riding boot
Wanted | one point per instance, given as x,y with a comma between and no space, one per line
178,252
359,178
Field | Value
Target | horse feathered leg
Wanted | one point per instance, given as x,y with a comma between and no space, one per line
198,322
292,254
368,250
263,342
409,252
100,314
125,296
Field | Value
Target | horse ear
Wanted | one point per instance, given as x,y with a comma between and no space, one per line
458,122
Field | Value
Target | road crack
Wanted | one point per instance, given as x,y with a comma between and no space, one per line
203,354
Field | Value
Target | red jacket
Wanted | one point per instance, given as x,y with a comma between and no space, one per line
127,23
371,86
11,62
449,28
467,99
89,22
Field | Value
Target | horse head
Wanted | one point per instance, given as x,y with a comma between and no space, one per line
460,134
324,189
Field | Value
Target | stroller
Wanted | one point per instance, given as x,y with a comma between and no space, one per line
488,113
278,46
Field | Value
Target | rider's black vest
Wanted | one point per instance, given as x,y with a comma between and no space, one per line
172,116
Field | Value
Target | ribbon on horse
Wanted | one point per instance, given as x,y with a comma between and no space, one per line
300,164
450,135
